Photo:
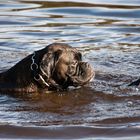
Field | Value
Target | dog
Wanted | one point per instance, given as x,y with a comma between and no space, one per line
135,83
55,67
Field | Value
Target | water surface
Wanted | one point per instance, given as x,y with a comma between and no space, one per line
108,35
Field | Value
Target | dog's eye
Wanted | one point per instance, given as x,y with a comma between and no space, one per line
74,63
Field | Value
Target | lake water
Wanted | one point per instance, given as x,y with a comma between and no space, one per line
107,32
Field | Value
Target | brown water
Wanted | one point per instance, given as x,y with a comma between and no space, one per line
108,34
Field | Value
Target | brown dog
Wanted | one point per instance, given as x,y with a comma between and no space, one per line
55,67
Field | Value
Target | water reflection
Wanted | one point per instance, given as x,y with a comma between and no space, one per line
106,32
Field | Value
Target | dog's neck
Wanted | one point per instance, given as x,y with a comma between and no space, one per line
38,77
23,75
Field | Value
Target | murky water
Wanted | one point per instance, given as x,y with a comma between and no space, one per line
108,35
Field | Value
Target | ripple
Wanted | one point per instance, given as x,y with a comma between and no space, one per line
106,33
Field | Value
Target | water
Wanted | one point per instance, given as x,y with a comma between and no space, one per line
108,35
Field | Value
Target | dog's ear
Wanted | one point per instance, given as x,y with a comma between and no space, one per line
49,60
56,55
78,56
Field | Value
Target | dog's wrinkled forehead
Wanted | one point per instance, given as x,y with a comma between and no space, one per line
67,50
61,53
57,46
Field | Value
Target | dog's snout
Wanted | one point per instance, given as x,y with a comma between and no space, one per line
85,64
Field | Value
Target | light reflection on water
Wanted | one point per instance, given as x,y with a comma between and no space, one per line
108,35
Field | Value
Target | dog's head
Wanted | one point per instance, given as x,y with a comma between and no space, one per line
62,66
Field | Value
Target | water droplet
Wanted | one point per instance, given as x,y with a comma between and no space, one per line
129,103
137,89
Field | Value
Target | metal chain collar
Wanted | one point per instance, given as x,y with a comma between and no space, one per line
34,66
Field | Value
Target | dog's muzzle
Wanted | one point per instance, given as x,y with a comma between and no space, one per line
84,73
